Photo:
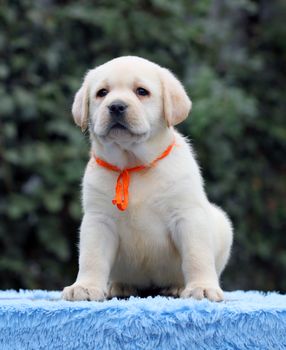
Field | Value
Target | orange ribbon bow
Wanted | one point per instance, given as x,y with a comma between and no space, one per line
123,180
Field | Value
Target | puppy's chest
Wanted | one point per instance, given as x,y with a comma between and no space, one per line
143,226
143,233
149,189
150,196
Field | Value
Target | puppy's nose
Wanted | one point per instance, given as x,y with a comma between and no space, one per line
117,108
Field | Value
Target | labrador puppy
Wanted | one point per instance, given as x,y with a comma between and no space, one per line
147,221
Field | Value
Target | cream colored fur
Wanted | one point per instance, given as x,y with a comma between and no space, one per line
170,236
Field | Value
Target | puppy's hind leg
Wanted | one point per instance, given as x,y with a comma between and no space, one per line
223,238
120,290
174,292
193,236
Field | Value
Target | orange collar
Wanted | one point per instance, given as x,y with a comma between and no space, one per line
123,180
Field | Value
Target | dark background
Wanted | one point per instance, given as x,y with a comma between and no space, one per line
231,57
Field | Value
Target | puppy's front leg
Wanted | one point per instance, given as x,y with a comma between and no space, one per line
193,237
98,247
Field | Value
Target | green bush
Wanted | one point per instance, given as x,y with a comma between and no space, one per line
230,56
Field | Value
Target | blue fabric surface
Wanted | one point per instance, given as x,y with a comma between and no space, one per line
40,320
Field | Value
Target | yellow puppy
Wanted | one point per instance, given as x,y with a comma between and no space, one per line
151,226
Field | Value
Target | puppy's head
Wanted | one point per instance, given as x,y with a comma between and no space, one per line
128,99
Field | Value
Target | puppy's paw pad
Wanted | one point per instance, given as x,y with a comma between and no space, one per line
200,292
78,292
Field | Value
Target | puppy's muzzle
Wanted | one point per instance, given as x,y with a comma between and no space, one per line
117,111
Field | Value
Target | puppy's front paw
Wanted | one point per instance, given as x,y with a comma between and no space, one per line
200,290
83,292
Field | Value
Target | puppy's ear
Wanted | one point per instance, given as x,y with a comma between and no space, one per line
176,103
80,106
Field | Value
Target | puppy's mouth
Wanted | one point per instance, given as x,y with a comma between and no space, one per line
118,126
119,130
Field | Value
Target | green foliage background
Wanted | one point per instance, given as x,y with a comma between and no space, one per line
231,57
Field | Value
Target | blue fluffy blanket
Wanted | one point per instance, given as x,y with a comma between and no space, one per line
40,320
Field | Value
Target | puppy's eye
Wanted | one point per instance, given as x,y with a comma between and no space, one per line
101,93
142,92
